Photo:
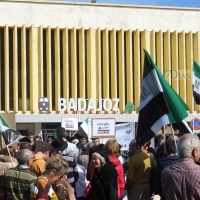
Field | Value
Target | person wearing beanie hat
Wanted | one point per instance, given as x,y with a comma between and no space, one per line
104,179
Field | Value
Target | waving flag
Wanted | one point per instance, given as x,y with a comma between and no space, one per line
196,82
159,104
83,129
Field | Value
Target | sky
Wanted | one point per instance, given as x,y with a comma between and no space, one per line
176,3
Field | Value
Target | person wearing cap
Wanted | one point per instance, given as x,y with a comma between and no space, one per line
61,133
83,140
59,146
104,179
95,141
43,151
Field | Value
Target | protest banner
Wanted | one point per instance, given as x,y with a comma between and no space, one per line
125,132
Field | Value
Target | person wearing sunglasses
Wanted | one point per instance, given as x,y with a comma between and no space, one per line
55,169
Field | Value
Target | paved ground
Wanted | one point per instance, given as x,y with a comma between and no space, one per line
156,197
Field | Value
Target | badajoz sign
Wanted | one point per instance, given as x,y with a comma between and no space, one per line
91,104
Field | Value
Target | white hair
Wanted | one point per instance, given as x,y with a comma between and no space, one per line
185,145
97,155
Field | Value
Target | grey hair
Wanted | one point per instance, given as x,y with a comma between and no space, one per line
186,145
23,155
72,154
97,155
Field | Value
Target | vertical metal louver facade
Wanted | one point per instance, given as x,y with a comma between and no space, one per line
89,63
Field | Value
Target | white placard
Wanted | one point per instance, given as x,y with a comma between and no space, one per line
124,134
103,128
70,123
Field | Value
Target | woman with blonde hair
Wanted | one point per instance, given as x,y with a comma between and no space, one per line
112,149
55,169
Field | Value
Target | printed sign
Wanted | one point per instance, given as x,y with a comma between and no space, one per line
124,134
103,128
70,123
195,123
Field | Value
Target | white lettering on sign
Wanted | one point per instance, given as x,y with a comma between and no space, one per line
82,104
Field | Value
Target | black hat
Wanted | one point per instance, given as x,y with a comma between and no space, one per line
59,144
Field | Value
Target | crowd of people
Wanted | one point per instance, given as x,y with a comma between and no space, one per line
76,169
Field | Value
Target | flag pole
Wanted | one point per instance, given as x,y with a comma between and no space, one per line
192,105
9,155
193,116
164,140
173,136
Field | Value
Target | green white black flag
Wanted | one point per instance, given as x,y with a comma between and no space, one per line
196,82
159,104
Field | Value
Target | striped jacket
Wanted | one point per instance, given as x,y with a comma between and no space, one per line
72,176
17,182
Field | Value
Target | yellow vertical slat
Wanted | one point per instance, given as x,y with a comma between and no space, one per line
196,50
82,70
174,56
31,53
48,61
121,68
182,66
65,64
145,44
6,68
188,74
129,66
105,52
15,69
73,64
40,62
91,66
57,67
98,64
153,44
159,47
113,63
33,69
167,56
137,64
23,70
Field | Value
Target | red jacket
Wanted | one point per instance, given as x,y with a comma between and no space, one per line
120,171
87,189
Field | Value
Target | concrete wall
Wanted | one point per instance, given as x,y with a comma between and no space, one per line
62,14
